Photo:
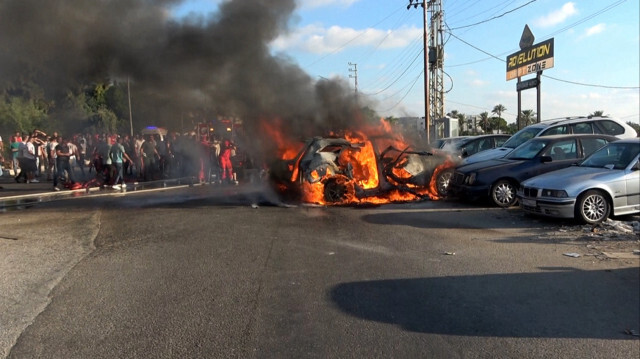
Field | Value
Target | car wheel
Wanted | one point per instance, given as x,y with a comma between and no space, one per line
335,191
592,207
442,182
503,193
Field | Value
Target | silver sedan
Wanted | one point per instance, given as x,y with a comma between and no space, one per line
605,183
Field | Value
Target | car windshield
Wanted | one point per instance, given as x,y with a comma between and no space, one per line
527,150
614,155
521,137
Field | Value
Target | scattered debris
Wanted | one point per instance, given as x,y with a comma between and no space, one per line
621,255
574,255
449,253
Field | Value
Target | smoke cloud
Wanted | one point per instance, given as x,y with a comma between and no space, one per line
219,63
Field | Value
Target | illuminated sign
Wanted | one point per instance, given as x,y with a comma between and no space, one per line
530,60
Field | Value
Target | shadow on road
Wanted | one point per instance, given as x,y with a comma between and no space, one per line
557,303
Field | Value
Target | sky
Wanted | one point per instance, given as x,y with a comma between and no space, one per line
596,59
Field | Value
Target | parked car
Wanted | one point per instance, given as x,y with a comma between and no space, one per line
442,143
570,125
499,179
605,183
343,171
470,145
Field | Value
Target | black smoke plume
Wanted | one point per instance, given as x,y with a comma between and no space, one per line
219,63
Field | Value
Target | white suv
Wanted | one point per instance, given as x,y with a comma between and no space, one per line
559,126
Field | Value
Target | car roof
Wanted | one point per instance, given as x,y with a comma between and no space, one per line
575,135
573,119
629,140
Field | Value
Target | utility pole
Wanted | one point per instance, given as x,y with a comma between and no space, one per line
129,96
436,59
427,107
354,68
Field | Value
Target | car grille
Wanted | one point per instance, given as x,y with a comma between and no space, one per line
530,192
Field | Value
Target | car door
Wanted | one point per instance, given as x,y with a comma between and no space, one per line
632,179
563,154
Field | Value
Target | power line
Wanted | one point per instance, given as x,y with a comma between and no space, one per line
339,48
495,17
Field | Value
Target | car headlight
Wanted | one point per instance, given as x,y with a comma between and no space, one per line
471,178
554,193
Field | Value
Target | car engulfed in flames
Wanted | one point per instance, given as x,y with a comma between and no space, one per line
351,169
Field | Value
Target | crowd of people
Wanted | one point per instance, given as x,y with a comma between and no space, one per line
111,160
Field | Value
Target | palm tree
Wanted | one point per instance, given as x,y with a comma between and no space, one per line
484,121
598,113
498,110
527,117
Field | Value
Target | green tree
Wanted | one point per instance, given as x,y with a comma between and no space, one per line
484,122
598,113
499,124
22,114
635,126
498,110
527,117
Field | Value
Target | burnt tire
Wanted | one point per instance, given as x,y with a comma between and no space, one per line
592,207
503,193
443,180
335,191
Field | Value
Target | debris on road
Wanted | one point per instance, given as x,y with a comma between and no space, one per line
609,230
621,255
449,253
574,255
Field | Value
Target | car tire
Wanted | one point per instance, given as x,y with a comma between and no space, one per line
335,191
443,180
592,207
503,193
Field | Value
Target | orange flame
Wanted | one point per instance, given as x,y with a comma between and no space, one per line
364,163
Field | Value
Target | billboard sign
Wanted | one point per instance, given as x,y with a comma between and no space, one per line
530,60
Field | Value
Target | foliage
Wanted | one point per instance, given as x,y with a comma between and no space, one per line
635,126
527,117
22,114
598,113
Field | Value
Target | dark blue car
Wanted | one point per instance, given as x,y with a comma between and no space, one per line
499,179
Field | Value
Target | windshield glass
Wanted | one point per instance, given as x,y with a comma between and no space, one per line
528,150
618,155
521,137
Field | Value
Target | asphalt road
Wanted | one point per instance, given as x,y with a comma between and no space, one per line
204,272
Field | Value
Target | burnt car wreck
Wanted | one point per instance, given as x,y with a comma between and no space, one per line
353,171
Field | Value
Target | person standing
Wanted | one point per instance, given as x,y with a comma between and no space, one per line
27,160
149,153
118,155
15,146
63,163
225,162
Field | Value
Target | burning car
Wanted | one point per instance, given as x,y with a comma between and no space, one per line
352,170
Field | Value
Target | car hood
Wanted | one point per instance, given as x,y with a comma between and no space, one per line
486,165
491,154
570,176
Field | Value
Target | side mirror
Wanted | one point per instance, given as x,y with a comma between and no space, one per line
545,159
